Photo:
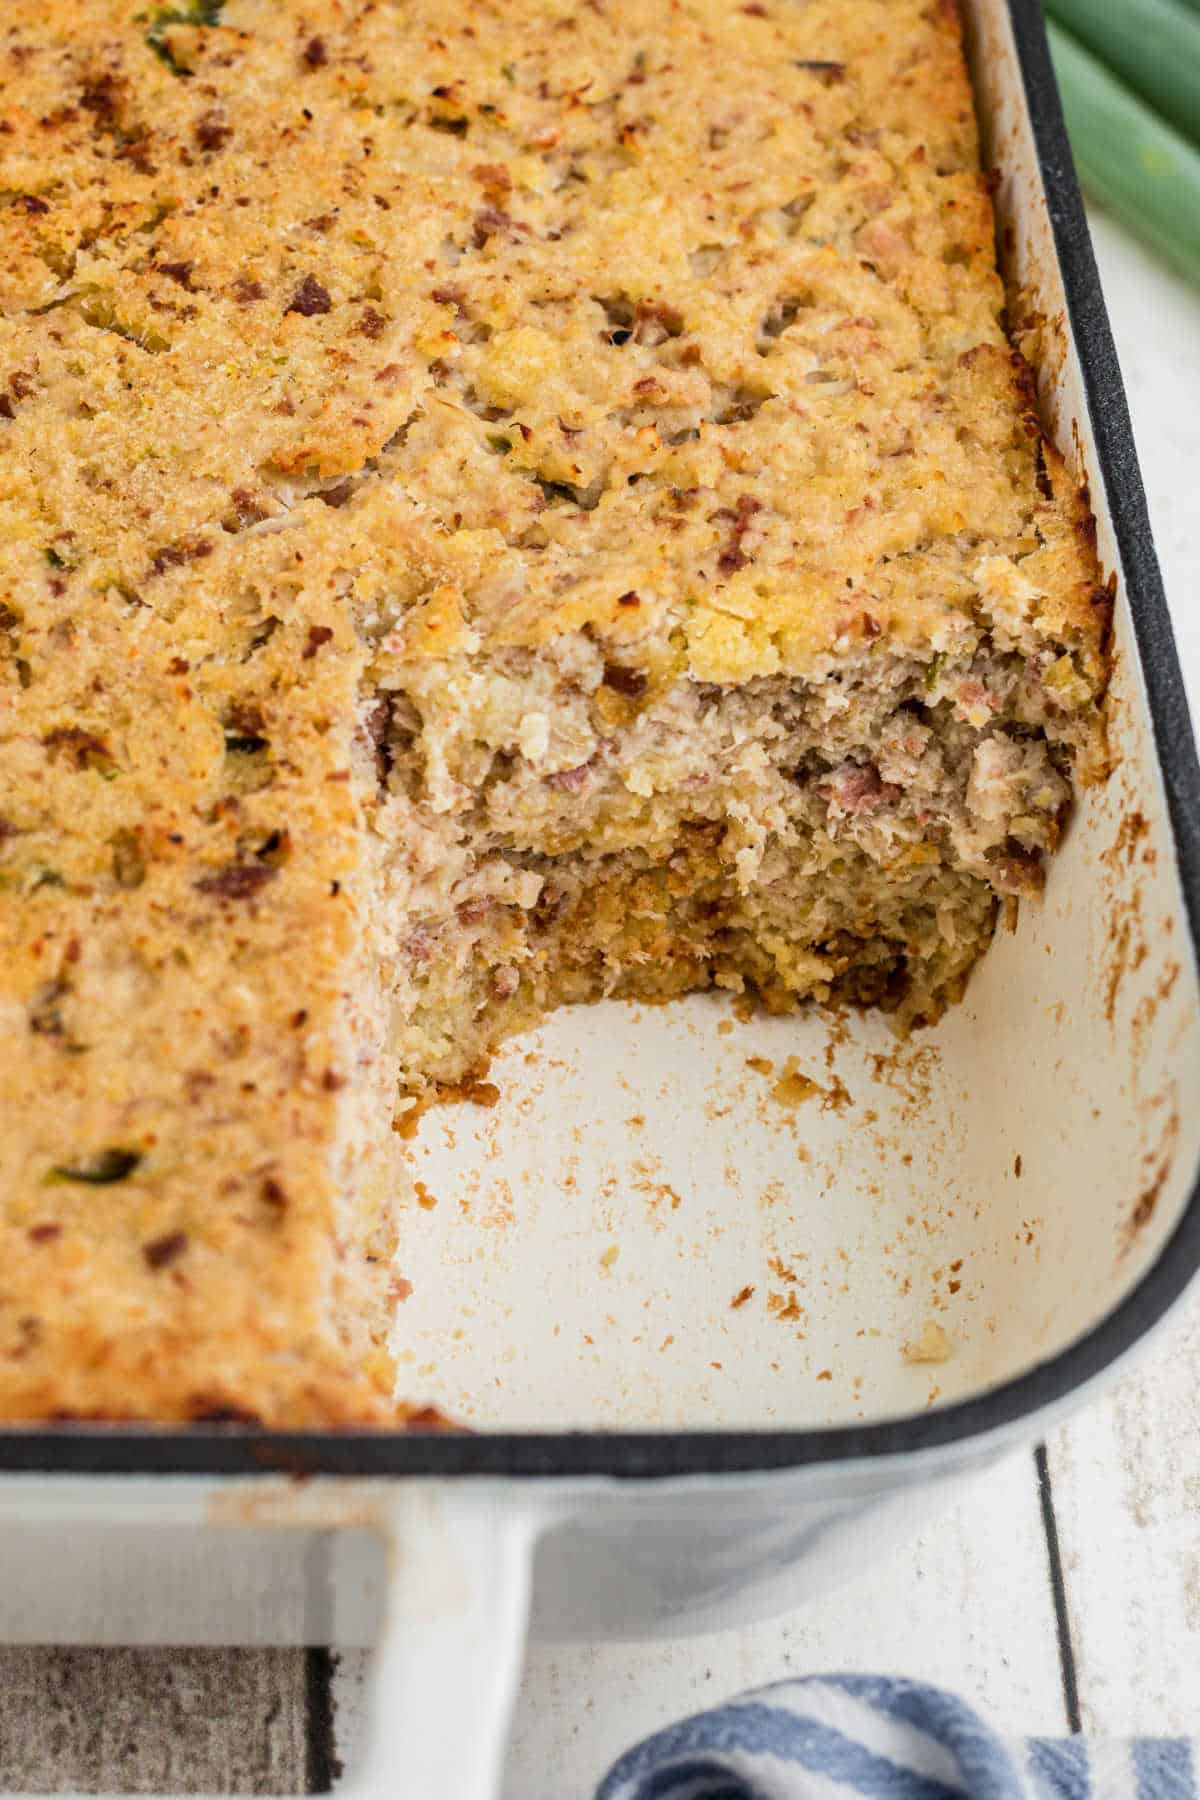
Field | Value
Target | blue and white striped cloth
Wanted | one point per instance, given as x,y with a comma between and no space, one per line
846,1737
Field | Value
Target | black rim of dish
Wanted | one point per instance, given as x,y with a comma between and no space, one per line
80,1449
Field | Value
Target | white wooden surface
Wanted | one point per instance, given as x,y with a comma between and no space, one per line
969,1605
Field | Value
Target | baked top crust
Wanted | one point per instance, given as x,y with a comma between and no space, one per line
342,338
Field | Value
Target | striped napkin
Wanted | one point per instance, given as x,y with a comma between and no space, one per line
834,1737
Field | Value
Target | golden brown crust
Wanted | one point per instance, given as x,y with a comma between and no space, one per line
336,337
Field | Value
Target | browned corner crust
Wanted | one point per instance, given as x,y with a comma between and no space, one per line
343,341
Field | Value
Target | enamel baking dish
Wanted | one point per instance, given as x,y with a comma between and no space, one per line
718,1334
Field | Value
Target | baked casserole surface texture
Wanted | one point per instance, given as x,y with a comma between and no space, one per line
500,503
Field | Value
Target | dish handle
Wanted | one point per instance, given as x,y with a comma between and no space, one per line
449,1655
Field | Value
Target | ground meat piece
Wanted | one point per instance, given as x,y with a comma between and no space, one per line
492,221
656,322
571,781
422,944
248,509
338,494
83,748
505,981
244,719
377,726
160,1252
733,557
237,881
174,556
974,701
310,298
624,680
857,788
212,133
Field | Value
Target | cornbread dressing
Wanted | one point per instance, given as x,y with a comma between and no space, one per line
502,502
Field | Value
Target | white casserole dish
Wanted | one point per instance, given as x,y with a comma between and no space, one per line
1023,1178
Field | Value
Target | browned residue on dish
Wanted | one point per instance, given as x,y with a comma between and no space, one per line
1160,1164
296,1499
786,1307
1128,948
1148,1008
837,1018
1147,1200
501,1209
908,1070
1133,829
432,1418
661,1193
647,1181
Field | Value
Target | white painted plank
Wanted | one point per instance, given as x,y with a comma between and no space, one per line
969,1607
1126,1479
